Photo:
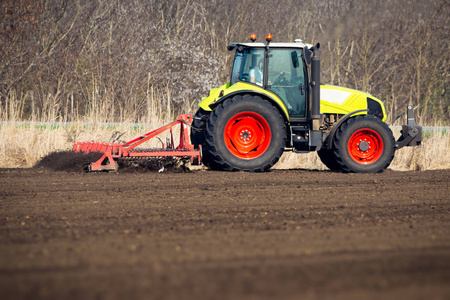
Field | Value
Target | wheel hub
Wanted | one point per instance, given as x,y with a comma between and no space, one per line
245,135
363,145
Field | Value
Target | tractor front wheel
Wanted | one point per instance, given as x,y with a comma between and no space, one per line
328,159
363,144
245,133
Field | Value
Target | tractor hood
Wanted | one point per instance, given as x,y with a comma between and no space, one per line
340,100
214,95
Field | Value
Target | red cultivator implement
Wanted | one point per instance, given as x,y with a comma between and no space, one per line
113,151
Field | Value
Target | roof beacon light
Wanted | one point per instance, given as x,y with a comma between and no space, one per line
268,37
253,37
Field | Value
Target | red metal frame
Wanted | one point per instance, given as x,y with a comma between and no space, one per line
113,151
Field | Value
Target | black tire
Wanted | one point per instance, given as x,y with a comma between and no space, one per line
364,144
198,129
245,133
328,159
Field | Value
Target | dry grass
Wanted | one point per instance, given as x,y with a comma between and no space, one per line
433,154
23,146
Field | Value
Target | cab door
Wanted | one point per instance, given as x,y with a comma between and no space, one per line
286,79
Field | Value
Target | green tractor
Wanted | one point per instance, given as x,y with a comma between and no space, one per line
275,102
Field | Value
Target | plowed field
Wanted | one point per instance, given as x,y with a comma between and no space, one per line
284,234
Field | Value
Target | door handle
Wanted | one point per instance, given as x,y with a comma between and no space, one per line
301,87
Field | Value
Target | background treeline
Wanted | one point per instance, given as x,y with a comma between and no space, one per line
130,60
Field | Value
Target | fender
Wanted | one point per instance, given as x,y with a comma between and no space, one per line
329,139
281,109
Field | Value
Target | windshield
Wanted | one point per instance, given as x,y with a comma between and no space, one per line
236,67
248,66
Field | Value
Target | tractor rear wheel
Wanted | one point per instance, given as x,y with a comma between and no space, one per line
245,133
198,129
364,144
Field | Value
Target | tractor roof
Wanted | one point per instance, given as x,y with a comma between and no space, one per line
297,44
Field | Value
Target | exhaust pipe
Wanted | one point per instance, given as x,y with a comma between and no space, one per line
315,103
315,140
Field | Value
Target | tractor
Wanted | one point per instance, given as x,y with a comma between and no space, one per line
275,102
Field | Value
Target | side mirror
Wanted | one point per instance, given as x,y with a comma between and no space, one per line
294,58
307,55
307,52
315,49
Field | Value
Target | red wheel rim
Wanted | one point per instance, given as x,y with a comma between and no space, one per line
365,146
247,135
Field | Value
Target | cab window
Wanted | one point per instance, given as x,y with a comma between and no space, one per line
286,79
252,66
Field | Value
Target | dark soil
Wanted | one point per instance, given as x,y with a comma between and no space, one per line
167,165
70,161
284,234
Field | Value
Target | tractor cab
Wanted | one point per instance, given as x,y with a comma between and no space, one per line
278,68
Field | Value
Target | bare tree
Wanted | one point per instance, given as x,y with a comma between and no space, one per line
62,60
